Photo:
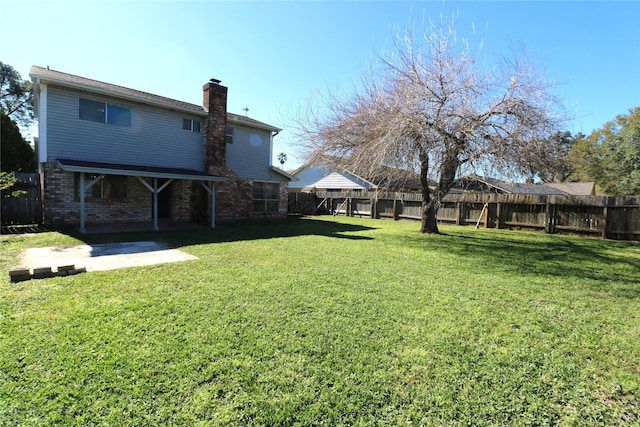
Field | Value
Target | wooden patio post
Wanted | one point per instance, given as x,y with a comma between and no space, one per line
82,225
155,204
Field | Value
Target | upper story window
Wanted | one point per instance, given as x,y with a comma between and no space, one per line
229,135
192,125
103,112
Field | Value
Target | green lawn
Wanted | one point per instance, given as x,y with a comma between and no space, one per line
329,321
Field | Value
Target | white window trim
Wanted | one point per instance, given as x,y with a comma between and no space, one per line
42,126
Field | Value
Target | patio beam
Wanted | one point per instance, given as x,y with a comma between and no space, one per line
211,191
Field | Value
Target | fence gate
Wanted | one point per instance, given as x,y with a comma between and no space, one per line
25,209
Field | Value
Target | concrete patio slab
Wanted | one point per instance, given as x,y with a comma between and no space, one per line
108,256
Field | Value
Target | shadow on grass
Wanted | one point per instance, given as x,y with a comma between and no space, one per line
602,265
232,232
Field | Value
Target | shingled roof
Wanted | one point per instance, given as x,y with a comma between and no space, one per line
479,183
39,74
45,75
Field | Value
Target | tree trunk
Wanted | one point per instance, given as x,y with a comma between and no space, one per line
429,223
429,218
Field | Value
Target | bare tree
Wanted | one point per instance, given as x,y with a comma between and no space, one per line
433,110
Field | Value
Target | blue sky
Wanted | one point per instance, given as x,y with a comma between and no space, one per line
273,56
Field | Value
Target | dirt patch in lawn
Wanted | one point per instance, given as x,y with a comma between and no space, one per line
108,256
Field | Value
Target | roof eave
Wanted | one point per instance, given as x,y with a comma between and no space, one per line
260,125
38,79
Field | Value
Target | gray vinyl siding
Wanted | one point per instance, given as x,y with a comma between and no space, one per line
275,176
247,159
155,138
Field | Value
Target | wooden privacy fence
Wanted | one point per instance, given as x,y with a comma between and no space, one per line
25,209
303,204
608,217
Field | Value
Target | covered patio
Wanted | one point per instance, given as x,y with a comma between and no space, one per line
149,176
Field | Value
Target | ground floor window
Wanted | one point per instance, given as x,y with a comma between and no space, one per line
107,187
265,196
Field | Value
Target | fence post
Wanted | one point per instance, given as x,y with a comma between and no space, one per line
486,215
498,215
458,213
549,225
605,213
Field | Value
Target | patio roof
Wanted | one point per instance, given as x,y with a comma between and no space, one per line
71,165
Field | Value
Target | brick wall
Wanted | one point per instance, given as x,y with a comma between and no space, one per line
234,200
283,207
58,197
233,197
181,205
214,100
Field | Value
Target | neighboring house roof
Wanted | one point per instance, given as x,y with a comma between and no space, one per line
397,179
575,188
342,181
520,188
45,75
471,182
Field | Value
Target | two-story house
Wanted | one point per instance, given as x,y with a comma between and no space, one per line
107,153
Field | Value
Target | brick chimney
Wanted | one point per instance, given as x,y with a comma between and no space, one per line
215,101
